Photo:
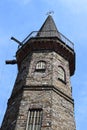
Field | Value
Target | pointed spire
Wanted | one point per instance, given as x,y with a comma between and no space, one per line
48,29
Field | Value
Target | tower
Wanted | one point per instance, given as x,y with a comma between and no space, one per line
41,98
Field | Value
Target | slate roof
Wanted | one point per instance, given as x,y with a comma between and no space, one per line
48,28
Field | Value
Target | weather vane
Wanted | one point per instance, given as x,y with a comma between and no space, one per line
50,13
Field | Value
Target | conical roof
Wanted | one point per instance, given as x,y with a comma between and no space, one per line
48,28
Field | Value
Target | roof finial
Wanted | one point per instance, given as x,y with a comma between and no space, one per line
50,13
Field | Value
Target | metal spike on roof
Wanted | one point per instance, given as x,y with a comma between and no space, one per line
48,28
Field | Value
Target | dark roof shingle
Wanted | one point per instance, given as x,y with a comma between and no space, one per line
48,28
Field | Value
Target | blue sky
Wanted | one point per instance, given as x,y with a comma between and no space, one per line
19,18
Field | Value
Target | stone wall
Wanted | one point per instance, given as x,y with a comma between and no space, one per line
65,87
12,113
35,89
58,113
29,76
62,113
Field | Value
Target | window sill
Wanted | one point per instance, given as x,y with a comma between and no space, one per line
40,70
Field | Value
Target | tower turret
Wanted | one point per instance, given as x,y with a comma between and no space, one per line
42,98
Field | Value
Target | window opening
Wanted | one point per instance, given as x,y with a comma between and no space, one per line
61,73
34,119
41,65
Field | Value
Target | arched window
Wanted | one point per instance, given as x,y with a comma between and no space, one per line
61,74
41,66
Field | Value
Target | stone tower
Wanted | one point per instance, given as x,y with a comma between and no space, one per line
42,94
